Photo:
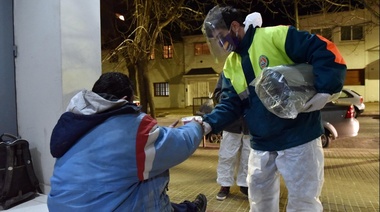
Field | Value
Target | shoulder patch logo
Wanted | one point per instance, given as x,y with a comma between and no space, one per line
263,61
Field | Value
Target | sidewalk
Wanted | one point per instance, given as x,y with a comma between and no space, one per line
371,108
351,182
351,176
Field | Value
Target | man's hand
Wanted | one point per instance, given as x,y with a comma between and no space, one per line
317,102
206,128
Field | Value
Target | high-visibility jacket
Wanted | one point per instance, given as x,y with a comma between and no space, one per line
268,47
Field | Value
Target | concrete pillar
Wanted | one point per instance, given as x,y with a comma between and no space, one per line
59,54
8,114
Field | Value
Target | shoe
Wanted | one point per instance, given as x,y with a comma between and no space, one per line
244,190
223,193
201,202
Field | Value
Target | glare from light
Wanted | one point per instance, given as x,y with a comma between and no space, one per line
119,16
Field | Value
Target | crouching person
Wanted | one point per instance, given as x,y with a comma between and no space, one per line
113,157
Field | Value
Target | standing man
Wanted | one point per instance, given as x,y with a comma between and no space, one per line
290,147
233,153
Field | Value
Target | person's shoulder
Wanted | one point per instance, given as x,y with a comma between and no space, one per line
148,119
274,29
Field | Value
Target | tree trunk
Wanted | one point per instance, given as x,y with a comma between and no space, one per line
132,76
152,108
146,97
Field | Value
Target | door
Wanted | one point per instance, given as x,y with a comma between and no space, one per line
197,89
8,116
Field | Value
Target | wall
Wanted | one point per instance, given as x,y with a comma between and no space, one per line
372,88
357,54
171,71
8,113
58,54
200,61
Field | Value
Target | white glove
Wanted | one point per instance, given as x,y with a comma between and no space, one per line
317,102
206,128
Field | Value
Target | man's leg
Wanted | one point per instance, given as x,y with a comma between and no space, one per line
263,181
243,164
198,205
228,152
185,206
302,170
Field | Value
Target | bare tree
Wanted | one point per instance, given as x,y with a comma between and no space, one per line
147,22
293,8
151,22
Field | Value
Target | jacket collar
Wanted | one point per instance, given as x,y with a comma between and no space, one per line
245,44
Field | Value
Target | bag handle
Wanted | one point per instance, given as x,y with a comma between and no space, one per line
9,136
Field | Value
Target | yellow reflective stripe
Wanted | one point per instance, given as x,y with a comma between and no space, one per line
234,72
270,43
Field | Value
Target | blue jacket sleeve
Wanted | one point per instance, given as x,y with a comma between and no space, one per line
328,64
227,111
172,146
218,90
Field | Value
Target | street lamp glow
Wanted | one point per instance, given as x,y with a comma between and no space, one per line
119,16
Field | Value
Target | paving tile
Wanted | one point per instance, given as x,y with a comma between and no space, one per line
351,182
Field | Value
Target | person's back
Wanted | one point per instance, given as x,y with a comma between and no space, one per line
112,157
103,164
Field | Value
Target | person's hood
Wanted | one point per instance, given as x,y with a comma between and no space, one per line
88,103
253,19
85,111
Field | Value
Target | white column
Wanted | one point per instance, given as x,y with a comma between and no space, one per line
58,54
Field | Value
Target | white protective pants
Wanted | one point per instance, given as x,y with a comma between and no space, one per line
302,170
233,146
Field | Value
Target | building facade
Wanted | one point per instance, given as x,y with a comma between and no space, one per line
356,33
51,49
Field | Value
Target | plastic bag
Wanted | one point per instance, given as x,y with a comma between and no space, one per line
284,90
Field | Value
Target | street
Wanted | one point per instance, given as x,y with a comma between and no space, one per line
351,175
368,136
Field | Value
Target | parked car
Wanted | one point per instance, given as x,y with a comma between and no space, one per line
338,120
352,97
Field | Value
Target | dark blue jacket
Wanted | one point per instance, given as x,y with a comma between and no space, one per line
268,47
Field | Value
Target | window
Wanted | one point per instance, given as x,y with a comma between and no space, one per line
325,32
354,77
201,49
168,52
161,89
351,33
